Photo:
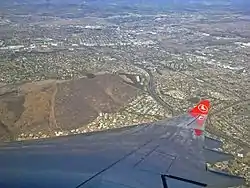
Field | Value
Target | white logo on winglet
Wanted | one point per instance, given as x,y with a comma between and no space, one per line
203,108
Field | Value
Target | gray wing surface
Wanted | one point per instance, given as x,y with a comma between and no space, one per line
164,154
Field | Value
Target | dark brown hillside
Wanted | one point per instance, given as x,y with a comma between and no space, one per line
49,106
79,101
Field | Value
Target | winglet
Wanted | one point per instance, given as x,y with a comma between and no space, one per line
200,109
200,112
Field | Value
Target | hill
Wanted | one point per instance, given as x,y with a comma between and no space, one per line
49,106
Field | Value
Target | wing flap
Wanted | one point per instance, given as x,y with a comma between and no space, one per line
221,179
213,156
212,143
173,181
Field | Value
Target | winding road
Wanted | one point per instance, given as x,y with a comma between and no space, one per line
151,88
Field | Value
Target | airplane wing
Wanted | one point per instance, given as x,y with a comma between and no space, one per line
164,154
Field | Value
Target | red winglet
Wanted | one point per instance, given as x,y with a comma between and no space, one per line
201,109
200,112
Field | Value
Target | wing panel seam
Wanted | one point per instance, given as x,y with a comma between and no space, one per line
113,164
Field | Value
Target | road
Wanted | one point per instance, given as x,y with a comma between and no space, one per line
151,88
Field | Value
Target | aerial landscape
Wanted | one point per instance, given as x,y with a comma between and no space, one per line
71,67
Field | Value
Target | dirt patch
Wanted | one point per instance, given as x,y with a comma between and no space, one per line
36,114
11,108
80,101
5,133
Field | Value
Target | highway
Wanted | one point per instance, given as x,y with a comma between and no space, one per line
151,88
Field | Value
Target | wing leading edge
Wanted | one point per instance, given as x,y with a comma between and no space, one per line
168,153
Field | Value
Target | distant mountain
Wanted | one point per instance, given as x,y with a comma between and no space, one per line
98,5
131,2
